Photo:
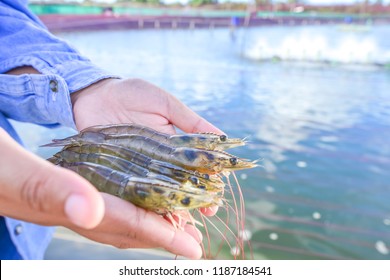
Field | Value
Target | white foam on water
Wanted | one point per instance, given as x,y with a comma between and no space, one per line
245,235
235,251
386,222
302,164
381,247
269,189
320,46
244,176
316,215
273,236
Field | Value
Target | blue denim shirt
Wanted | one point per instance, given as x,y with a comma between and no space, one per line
41,99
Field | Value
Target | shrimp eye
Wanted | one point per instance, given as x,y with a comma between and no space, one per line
233,161
194,180
223,138
186,201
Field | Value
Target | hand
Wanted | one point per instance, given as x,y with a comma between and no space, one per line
49,195
127,226
135,101
113,101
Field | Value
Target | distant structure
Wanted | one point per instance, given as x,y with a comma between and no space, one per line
67,17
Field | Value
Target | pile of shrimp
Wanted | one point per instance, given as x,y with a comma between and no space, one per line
172,175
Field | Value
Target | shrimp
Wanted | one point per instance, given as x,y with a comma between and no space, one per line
207,141
204,161
202,181
149,193
68,156
168,174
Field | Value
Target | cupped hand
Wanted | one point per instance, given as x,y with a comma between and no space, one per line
33,190
135,101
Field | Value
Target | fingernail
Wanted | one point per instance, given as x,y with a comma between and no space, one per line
76,209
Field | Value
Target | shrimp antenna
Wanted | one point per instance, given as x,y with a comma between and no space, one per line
245,139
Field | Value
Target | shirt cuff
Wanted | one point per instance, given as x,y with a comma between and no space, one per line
80,74
77,72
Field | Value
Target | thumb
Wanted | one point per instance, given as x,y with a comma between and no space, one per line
69,194
34,190
186,119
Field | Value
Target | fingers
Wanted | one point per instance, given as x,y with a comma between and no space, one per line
186,119
34,190
127,226
153,229
194,232
210,211
80,201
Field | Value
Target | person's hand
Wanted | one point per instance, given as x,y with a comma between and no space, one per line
127,226
33,190
113,101
43,193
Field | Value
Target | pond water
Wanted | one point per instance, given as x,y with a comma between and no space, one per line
314,103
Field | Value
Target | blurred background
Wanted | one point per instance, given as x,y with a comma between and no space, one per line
308,82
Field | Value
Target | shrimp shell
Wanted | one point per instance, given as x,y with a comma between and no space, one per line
148,193
69,156
204,161
203,181
207,141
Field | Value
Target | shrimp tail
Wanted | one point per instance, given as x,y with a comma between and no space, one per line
60,142
55,160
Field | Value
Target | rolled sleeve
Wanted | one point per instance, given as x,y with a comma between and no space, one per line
24,41
40,99
77,73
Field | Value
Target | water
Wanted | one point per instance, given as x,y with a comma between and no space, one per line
314,103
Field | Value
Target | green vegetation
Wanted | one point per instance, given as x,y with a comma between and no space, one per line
140,1
261,7
198,3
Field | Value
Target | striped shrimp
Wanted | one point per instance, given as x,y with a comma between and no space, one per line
148,193
199,180
165,174
207,141
66,156
204,161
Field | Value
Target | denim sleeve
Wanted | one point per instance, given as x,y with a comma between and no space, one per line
24,41
39,99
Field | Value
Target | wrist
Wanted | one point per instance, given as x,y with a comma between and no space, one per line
22,70
90,103
95,88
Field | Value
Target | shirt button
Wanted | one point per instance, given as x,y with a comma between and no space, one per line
53,85
18,229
